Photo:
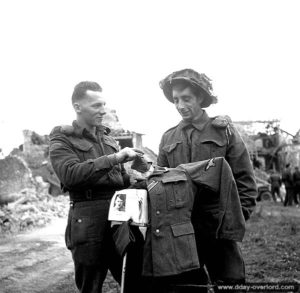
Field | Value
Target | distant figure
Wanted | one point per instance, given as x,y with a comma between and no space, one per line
287,179
120,202
276,182
296,179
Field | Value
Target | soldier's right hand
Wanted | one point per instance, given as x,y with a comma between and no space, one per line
128,154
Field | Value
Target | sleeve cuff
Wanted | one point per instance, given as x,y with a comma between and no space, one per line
113,159
105,162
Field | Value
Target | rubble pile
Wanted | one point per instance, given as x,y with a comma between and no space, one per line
34,208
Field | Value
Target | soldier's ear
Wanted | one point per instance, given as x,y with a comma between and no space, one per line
77,107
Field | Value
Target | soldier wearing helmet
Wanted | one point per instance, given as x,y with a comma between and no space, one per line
198,137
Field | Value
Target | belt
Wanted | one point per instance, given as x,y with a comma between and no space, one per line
86,195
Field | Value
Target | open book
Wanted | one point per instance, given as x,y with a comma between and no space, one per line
129,204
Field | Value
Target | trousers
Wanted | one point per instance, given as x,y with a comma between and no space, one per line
89,236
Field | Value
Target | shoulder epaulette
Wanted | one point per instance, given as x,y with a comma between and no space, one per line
67,129
221,121
104,129
55,130
63,129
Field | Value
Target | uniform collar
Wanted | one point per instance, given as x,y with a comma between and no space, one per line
198,124
82,131
78,130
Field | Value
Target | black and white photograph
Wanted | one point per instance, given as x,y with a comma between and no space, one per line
149,146
129,204
120,203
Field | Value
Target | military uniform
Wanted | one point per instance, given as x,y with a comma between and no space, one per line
196,138
202,140
88,170
170,246
275,180
288,180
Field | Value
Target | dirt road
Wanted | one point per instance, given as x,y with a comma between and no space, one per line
38,261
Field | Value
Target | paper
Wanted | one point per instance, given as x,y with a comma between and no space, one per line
129,204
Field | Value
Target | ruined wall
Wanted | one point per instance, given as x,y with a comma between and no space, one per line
14,177
111,120
35,148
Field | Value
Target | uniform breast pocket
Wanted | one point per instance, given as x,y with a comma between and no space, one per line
173,152
85,150
176,191
212,148
218,150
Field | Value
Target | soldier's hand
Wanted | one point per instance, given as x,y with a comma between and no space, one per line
128,154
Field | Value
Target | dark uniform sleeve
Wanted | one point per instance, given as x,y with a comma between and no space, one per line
72,172
239,160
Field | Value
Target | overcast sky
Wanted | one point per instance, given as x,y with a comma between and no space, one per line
250,49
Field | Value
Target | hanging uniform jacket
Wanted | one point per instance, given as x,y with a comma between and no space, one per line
170,246
208,138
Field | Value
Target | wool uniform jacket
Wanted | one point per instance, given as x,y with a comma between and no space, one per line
170,246
208,138
87,168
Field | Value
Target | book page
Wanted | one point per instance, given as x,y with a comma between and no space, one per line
129,204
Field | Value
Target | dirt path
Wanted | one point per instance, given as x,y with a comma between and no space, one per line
34,261
38,261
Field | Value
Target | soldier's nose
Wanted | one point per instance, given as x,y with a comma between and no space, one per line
180,105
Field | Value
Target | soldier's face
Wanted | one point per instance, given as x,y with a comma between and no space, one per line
91,109
187,103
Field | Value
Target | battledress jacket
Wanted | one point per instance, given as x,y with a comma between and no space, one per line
211,137
170,246
85,164
87,168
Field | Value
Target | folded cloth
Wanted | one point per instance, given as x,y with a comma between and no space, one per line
123,237
140,164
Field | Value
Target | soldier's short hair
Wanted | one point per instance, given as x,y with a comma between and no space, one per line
81,88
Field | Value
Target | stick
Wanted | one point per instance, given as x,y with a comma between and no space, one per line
123,272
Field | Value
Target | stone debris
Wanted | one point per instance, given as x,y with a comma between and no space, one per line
33,208
14,176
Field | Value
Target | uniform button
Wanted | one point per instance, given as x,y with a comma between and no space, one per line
79,220
157,230
157,212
